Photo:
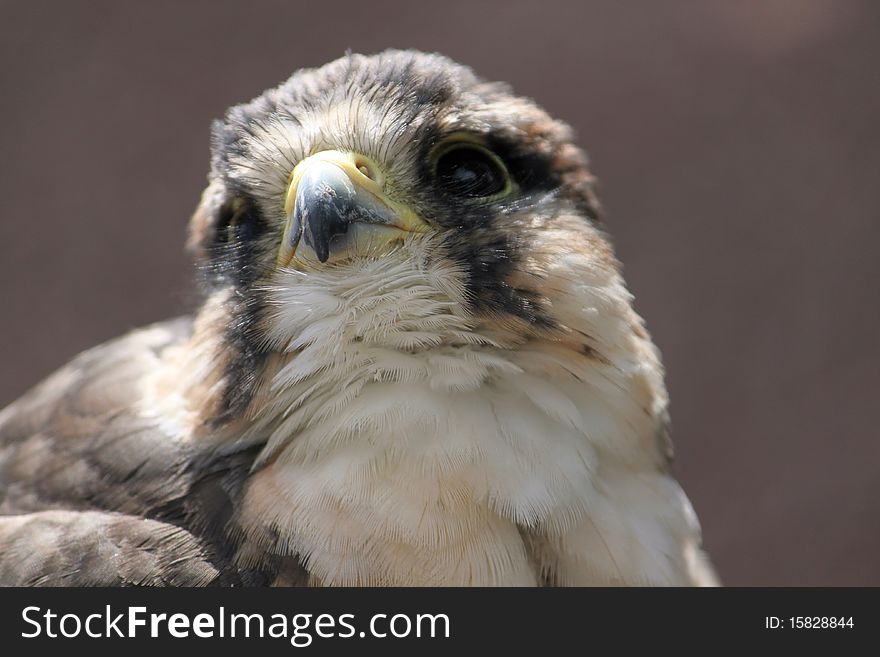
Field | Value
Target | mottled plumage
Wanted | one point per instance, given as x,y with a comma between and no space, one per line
416,362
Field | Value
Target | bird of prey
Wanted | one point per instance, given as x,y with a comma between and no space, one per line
415,363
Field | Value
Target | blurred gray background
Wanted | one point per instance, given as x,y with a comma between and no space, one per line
736,145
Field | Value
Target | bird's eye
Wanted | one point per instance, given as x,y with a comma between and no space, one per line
471,171
238,219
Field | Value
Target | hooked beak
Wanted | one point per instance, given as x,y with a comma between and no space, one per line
336,207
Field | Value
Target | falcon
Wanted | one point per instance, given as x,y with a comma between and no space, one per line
415,362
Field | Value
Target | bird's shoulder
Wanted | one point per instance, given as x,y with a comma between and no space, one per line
78,436
79,451
83,440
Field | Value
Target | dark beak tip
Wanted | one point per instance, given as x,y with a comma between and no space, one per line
324,207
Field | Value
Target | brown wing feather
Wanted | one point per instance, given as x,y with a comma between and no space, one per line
77,448
89,548
76,442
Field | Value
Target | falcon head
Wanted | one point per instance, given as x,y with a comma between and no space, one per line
381,207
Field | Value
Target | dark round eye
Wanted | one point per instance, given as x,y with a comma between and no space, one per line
238,220
471,171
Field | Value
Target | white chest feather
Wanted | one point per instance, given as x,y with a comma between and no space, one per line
409,446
